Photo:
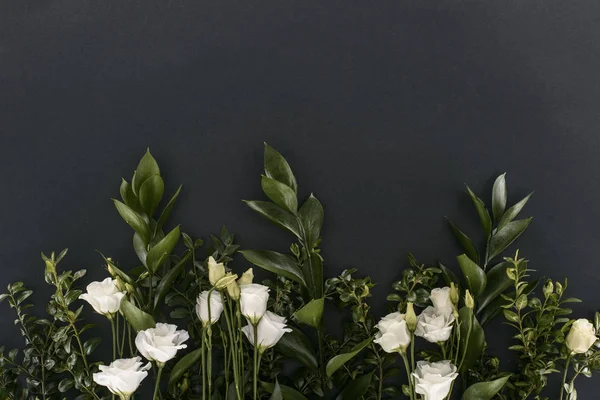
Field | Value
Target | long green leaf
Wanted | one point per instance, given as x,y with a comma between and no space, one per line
311,215
161,250
277,263
151,193
280,193
505,236
141,248
129,197
499,196
134,220
167,281
185,363
497,283
338,361
484,215
313,274
476,340
138,319
146,168
356,388
475,276
296,345
465,242
277,167
484,390
512,212
276,395
448,275
164,215
277,215
287,392
311,313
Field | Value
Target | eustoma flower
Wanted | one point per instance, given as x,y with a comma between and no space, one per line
104,296
393,335
440,297
160,344
581,336
433,380
253,301
270,329
202,307
434,327
122,377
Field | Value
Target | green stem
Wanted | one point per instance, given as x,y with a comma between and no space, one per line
203,366
464,352
157,386
241,364
255,327
114,336
564,378
234,345
408,374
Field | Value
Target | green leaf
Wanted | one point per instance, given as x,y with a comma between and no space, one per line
65,385
134,220
311,215
151,193
161,250
512,212
276,395
475,276
164,215
311,313
138,319
497,283
499,196
141,248
505,236
356,388
277,215
129,197
185,363
296,345
280,193
476,341
118,271
90,345
167,281
338,361
465,242
146,168
287,392
484,390
277,167
277,263
313,274
484,215
448,275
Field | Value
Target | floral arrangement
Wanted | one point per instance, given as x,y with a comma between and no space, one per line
192,325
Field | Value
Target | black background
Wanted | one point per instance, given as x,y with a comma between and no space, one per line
383,109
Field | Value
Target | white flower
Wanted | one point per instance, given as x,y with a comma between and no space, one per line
434,327
270,329
253,301
440,297
216,307
581,336
216,270
393,335
122,377
433,380
160,344
104,296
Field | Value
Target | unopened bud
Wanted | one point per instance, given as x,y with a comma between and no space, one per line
233,289
454,295
224,281
469,302
548,288
246,277
410,317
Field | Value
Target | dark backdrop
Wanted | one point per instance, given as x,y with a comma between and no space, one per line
384,110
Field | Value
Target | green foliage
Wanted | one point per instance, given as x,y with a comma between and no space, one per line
415,285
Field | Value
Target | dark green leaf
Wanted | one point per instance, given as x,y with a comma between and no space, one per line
287,392
484,215
512,212
311,313
134,220
167,281
296,345
118,271
185,363
146,168
277,167
280,193
466,243
476,339
164,215
138,319
313,273
277,263
276,395
448,275
338,361
277,215
311,215
356,388
505,236
499,196
90,345
161,250
65,385
140,248
151,193
475,276
497,283
129,197
484,390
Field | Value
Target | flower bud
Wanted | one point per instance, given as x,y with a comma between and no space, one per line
559,288
548,288
225,281
246,277
216,271
469,302
233,289
410,317
454,294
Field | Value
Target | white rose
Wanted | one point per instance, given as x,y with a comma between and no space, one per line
440,297
270,329
122,377
581,336
216,270
104,296
216,307
253,301
160,344
433,380
434,327
393,335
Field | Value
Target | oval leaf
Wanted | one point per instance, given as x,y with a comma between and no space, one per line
475,276
185,363
277,167
311,313
138,319
280,193
476,340
151,193
338,361
296,345
512,212
128,196
484,215
276,395
484,390
277,215
161,250
499,196
505,236
466,243
287,392
356,388
146,168
167,281
166,211
497,283
134,220
311,215
277,263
